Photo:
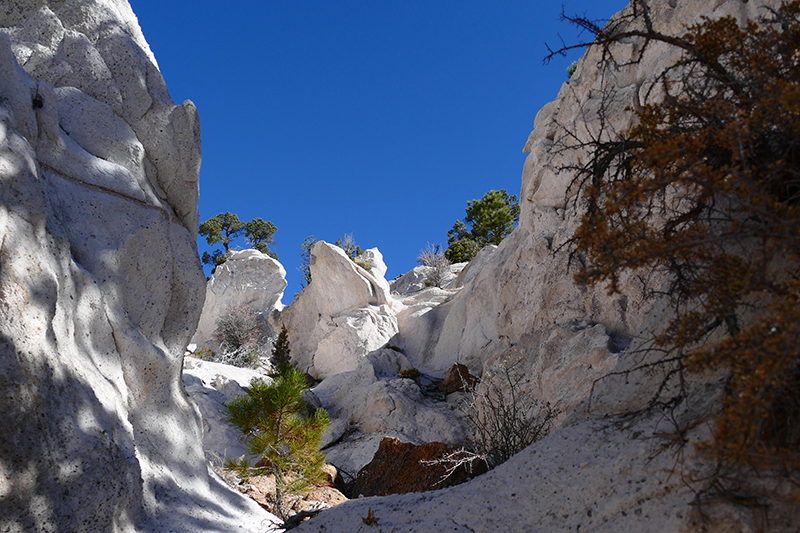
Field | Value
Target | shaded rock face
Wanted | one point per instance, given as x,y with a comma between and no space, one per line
400,467
100,283
210,386
247,278
378,400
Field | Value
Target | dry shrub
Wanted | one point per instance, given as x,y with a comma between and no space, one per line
242,336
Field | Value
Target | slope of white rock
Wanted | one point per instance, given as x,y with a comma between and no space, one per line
100,284
211,385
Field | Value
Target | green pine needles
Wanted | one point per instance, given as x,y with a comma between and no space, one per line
283,437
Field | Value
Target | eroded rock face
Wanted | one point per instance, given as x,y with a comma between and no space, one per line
211,385
345,313
247,278
377,399
601,475
100,283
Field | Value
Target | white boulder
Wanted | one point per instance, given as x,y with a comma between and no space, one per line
248,278
378,401
342,315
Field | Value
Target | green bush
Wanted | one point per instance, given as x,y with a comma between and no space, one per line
572,68
490,219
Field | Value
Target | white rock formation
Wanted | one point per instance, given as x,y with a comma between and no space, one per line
601,476
420,324
376,400
100,281
597,472
248,278
471,269
345,313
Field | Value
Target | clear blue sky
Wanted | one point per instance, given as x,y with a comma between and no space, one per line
376,118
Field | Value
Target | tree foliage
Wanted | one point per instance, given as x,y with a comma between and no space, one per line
705,187
260,234
226,227
281,351
222,228
305,259
348,244
487,221
282,437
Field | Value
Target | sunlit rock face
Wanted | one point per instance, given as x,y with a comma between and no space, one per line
248,278
100,283
342,315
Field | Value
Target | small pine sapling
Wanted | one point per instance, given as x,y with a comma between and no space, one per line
282,438
281,351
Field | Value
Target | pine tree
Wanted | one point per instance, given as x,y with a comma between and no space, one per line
282,437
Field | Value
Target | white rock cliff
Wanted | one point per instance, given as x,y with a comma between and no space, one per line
345,313
100,281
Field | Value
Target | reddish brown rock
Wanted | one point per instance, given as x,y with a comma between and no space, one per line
458,379
399,467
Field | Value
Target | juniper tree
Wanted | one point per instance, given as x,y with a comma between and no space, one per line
490,220
261,234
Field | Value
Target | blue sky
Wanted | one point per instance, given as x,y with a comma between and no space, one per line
376,118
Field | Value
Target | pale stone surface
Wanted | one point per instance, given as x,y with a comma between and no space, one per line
561,364
248,278
342,315
210,386
523,287
100,281
377,267
471,269
353,453
602,475
375,401
378,400
419,325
